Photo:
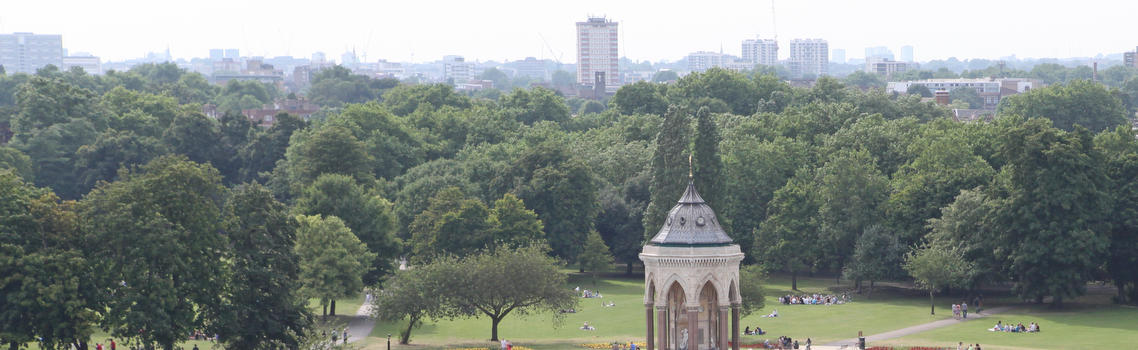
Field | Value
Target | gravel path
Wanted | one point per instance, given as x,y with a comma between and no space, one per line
920,328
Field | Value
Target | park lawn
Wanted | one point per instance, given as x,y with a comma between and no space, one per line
887,311
1075,326
344,306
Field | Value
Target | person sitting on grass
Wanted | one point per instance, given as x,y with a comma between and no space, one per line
747,330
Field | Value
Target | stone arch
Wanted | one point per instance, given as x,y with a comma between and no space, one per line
720,289
650,292
708,321
733,293
674,278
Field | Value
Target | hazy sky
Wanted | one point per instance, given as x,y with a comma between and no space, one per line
425,30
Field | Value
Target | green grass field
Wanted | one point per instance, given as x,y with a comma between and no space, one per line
1075,326
887,310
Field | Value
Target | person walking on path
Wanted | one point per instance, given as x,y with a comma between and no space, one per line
964,309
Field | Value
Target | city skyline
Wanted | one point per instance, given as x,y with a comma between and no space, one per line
512,30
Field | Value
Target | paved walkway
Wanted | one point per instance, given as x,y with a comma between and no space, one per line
360,325
919,328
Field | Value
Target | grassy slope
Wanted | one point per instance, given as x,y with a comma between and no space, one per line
1077,326
887,311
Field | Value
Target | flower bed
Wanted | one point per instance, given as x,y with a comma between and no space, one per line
639,345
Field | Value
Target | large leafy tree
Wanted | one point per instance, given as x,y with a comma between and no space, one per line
1053,198
877,256
1079,102
787,237
112,150
501,282
740,94
641,97
534,105
326,150
258,157
560,188
755,169
1121,150
392,145
368,215
158,233
196,136
935,267
261,307
851,191
332,260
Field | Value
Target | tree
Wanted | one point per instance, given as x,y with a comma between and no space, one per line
332,260
258,157
111,151
1052,197
1121,150
196,136
740,94
707,164
640,98
262,309
500,79
851,192
560,188
1079,102
786,238
505,281
937,267
451,224
160,243
877,256
918,89
514,223
414,295
534,105
405,99
664,76
669,165
327,150
751,278
16,161
964,223
595,257
754,169
966,95
368,215
337,86
562,78
864,80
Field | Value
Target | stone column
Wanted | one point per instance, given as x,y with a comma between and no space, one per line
662,320
693,327
721,341
735,326
648,322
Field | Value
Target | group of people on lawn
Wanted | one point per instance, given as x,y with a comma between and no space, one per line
1020,328
813,299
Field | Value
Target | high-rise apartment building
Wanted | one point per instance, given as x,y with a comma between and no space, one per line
27,52
907,53
760,51
1130,59
809,57
598,58
235,54
457,70
881,52
88,62
216,54
838,55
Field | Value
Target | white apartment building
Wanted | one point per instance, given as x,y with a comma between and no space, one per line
888,67
597,52
809,57
89,63
457,70
27,52
702,60
760,51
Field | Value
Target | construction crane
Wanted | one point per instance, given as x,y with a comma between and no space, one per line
774,25
556,57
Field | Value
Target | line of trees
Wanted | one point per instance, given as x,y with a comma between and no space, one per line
827,178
